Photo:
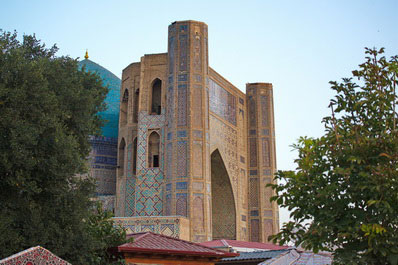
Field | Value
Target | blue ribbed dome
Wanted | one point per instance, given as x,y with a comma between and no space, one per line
112,100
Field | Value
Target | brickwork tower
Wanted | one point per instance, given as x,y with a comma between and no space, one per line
183,146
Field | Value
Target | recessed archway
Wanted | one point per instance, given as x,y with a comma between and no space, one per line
153,149
223,202
156,99
122,147
124,107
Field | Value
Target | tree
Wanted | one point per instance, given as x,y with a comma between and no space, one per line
343,196
48,109
104,235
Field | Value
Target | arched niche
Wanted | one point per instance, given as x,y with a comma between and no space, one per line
135,106
154,149
156,97
121,156
223,201
124,107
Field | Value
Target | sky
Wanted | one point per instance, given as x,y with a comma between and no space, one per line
298,46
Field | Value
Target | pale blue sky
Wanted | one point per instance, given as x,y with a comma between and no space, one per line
297,45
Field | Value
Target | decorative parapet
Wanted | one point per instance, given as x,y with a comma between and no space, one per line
174,226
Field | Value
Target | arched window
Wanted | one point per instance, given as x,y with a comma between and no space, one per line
135,156
135,107
120,160
124,107
153,150
156,101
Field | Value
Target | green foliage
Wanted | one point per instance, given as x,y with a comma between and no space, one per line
343,197
48,109
104,234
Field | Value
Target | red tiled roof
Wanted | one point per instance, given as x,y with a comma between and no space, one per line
34,255
241,244
155,243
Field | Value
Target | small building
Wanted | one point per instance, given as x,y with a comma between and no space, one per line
252,258
298,257
151,248
241,246
34,256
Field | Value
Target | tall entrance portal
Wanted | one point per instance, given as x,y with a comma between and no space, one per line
175,111
223,202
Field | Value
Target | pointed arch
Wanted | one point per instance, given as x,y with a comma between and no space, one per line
223,201
156,97
121,156
124,107
153,149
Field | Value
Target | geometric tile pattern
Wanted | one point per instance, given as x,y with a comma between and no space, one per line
264,110
252,111
181,204
225,138
148,194
168,205
182,105
103,160
197,51
222,102
197,106
160,225
130,196
253,192
254,231
32,256
223,200
181,159
171,48
198,213
169,159
267,195
253,152
197,157
183,39
265,152
108,202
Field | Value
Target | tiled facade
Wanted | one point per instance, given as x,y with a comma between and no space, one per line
174,226
216,150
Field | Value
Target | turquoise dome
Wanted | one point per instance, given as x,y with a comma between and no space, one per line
112,100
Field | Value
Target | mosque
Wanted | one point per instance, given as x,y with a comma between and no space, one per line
185,153
103,155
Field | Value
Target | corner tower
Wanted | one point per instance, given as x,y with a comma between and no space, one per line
187,189
263,215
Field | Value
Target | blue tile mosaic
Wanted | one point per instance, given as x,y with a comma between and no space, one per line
254,213
181,185
181,133
253,172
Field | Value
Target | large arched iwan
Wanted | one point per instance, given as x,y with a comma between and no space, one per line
223,202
